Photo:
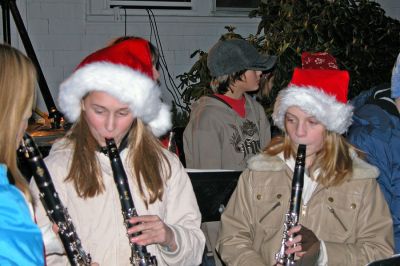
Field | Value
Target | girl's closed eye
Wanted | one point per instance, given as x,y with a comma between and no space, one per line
290,119
123,112
99,110
313,122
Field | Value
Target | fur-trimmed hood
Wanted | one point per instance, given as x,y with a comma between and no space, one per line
264,162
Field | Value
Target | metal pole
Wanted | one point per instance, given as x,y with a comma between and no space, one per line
6,21
54,115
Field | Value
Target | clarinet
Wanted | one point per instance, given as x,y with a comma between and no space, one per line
139,254
52,204
171,142
292,216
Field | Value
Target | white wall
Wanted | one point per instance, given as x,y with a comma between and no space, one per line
63,32
392,7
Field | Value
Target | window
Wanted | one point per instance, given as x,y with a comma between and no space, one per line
194,8
237,3
154,4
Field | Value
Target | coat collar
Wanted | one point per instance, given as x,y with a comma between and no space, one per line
263,162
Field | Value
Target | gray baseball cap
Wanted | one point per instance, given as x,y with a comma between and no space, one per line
230,56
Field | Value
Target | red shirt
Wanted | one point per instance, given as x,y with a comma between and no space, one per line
239,105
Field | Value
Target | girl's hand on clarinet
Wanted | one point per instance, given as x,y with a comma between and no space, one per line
304,240
55,228
153,231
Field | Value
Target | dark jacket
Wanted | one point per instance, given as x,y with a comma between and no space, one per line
376,131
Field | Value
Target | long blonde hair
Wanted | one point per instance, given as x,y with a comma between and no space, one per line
147,162
17,91
333,161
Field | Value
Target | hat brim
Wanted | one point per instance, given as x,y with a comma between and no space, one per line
264,63
123,83
334,115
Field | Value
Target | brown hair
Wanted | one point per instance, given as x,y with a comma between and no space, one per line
17,93
333,161
148,169
223,83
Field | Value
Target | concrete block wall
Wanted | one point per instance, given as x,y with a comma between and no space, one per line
63,32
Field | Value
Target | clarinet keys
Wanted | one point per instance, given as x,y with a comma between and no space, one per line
292,216
52,204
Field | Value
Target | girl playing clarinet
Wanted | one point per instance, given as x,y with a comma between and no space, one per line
110,96
343,217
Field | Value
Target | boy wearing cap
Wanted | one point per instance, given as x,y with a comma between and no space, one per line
343,217
376,131
227,128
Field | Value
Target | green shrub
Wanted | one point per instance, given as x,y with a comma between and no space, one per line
357,33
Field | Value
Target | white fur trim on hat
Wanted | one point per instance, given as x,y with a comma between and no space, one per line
125,84
334,115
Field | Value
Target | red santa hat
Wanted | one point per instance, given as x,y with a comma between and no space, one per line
124,71
319,60
321,93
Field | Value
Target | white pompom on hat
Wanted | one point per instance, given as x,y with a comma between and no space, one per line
321,93
124,71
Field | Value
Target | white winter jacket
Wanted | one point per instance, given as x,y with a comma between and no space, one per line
99,223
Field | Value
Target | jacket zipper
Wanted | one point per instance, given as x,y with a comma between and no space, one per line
273,208
331,210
